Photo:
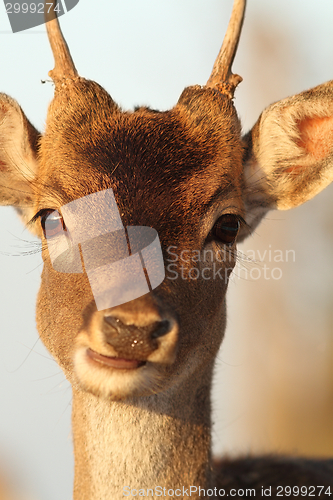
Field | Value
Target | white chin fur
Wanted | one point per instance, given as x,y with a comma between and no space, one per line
115,384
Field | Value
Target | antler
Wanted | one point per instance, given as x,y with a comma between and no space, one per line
64,65
221,77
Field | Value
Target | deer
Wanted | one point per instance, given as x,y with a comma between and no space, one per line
141,365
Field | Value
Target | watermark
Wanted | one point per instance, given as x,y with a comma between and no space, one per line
183,492
263,264
24,15
122,263
263,491
209,264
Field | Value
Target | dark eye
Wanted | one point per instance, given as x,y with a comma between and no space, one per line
52,223
226,229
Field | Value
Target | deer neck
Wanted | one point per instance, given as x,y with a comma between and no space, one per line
158,441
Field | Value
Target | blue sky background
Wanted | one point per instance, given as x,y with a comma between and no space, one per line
146,52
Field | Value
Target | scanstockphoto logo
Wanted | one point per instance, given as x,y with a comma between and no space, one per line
122,263
24,15
253,265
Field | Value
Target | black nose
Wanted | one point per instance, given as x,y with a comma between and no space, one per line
132,341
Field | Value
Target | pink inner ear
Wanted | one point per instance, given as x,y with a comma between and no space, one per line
3,166
316,136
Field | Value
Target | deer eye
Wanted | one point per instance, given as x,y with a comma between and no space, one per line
52,223
226,229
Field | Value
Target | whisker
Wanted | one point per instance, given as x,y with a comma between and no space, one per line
27,356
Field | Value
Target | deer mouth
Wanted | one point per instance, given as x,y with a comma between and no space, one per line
116,378
114,362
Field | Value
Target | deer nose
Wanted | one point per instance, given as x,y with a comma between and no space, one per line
132,341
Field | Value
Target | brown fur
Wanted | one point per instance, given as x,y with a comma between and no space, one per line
177,171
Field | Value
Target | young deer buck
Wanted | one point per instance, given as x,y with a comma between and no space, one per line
141,363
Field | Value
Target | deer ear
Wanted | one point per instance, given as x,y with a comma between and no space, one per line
18,158
289,153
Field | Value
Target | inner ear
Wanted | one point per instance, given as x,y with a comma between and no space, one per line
316,136
289,153
19,142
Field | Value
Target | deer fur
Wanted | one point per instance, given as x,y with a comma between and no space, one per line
180,172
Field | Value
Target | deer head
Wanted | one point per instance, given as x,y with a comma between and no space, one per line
187,173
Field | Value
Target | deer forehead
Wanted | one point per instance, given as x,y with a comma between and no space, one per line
181,159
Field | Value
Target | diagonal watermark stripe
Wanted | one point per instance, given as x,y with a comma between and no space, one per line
121,263
24,15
